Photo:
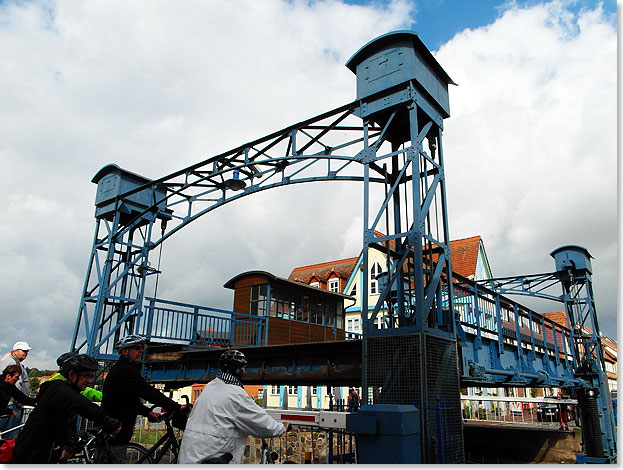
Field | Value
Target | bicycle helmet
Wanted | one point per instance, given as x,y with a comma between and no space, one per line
232,360
130,340
78,363
63,357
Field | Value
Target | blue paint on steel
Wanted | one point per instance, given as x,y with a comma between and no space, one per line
402,100
395,58
387,434
573,268
199,327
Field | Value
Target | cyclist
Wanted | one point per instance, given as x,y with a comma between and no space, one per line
8,390
52,424
224,416
123,389
89,392
17,356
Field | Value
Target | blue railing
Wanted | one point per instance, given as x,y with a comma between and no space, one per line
200,327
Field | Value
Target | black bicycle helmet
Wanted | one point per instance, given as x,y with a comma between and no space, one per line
63,357
232,360
130,340
79,363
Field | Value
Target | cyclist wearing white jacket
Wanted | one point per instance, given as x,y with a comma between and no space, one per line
224,416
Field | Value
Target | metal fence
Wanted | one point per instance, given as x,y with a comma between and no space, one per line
515,410
196,326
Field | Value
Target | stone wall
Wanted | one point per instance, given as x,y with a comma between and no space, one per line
295,446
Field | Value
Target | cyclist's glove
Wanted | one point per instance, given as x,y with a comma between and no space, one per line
111,424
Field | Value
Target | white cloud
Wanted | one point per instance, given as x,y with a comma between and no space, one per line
155,87
531,143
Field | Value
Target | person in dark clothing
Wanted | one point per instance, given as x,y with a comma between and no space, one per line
563,416
353,400
8,390
123,389
52,424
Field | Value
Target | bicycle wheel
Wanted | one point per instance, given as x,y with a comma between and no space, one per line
136,452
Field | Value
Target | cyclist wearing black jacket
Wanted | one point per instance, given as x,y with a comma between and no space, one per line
123,389
8,390
52,424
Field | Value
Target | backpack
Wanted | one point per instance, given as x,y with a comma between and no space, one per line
6,449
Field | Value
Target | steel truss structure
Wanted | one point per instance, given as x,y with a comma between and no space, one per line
574,274
389,140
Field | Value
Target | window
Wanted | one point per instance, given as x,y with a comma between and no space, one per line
260,393
292,390
302,309
334,284
258,300
281,303
353,325
274,389
314,284
374,284
316,312
314,391
353,291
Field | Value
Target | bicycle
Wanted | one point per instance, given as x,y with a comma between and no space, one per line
93,447
167,442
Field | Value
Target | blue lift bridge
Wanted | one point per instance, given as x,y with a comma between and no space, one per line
440,331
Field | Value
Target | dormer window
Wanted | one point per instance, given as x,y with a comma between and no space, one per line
314,284
334,284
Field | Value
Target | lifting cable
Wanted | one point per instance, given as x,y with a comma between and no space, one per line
159,259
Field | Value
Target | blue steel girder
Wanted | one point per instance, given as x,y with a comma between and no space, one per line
326,363
533,285
506,343
582,347
334,146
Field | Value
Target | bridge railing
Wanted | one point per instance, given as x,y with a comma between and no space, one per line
515,410
201,327
486,313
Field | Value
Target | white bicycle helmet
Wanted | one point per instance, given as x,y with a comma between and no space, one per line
130,340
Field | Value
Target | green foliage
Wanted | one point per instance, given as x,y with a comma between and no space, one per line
34,383
34,372
33,377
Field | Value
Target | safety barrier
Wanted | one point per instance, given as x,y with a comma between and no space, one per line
515,410
201,327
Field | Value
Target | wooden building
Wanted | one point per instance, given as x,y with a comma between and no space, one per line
294,312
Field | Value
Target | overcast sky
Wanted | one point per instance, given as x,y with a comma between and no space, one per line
154,86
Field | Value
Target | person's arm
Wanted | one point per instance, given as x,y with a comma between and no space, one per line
67,439
150,394
76,403
253,420
18,396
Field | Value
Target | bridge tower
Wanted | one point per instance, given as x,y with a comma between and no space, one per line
574,271
410,355
389,139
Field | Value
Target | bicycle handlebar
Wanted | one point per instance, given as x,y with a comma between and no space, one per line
168,414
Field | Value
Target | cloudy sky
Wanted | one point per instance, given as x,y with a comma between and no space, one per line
530,146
